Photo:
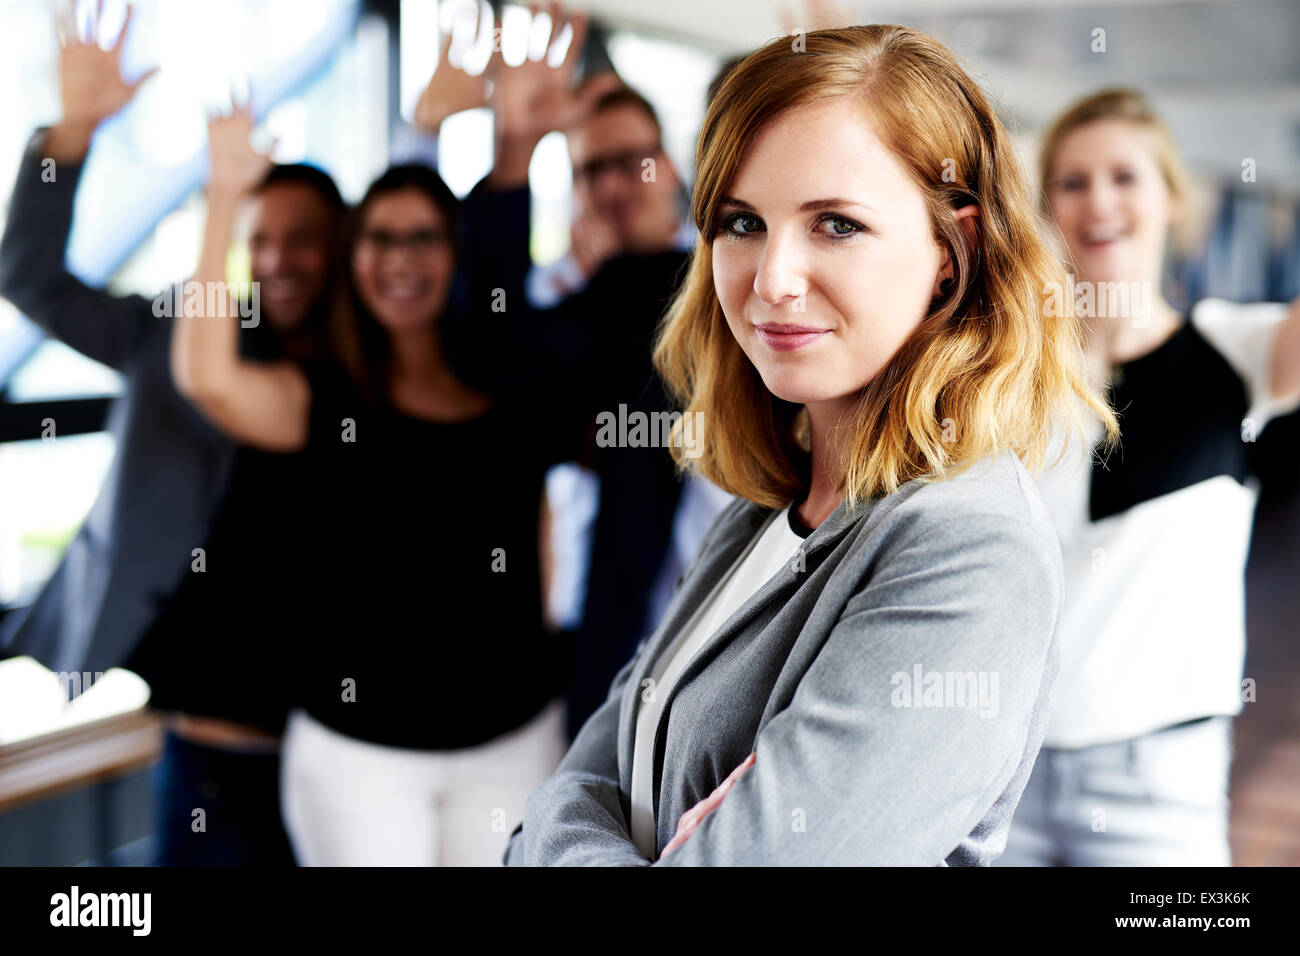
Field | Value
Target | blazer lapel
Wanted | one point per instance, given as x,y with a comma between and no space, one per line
735,538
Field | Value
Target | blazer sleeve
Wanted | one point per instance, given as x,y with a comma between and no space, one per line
576,817
849,773
107,328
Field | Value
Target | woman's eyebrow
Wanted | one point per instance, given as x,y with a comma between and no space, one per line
813,205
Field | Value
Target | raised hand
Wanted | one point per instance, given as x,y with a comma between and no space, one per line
535,98
593,239
450,90
236,166
91,87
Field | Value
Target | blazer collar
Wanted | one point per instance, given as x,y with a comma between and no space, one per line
749,521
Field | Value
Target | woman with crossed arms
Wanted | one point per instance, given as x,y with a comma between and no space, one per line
856,667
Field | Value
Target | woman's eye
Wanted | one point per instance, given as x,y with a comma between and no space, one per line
1072,183
1124,177
840,227
751,224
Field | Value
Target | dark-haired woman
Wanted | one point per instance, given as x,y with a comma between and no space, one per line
427,681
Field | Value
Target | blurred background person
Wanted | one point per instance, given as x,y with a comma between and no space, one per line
170,474
1135,768
429,688
595,344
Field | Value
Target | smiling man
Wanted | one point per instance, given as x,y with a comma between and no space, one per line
170,472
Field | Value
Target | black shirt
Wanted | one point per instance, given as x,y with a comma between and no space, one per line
1180,409
423,570
219,646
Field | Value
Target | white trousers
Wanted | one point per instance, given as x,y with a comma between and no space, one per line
1157,800
347,802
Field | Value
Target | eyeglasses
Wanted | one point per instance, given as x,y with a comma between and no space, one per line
420,241
627,164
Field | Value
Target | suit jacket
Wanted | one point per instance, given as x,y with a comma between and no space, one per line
170,467
858,761
589,354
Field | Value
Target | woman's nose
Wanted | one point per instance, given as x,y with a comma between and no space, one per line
782,270
1100,198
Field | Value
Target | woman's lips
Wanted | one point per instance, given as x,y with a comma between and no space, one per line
787,338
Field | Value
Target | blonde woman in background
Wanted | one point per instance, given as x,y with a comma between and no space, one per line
1135,763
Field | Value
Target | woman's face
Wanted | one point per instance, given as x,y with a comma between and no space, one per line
825,260
1110,201
403,262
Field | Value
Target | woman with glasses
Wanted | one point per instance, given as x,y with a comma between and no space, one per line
427,684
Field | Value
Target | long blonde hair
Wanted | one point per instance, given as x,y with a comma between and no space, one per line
988,369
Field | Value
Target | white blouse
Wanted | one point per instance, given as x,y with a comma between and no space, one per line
771,548
1153,628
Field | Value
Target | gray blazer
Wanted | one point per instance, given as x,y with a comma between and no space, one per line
170,467
957,583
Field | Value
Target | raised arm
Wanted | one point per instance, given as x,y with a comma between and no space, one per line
107,328
848,775
263,404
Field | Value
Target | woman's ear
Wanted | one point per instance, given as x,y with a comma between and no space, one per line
967,221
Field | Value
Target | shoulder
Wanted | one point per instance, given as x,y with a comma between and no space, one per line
1243,334
988,519
997,488
1223,319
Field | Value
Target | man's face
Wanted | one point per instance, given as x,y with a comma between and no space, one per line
612,178
291,248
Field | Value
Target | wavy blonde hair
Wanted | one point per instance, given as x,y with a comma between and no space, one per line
986,370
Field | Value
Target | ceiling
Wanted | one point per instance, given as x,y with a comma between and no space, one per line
1225,73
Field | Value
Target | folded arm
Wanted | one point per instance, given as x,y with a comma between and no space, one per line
848,774
576,817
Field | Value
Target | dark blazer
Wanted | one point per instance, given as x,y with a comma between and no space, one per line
170,467
590,353
815,673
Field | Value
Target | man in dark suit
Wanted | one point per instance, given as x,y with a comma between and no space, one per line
171,467
589,354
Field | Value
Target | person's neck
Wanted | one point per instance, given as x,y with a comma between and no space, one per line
416,355
1118,339
302,345
823,491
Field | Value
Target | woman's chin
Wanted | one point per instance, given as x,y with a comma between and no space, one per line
798,389
398,321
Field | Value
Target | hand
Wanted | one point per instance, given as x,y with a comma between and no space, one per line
91,87
449,91
535,98
236,167
693,817
593,239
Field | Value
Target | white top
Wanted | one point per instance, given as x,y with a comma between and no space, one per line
771,548
1153,623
